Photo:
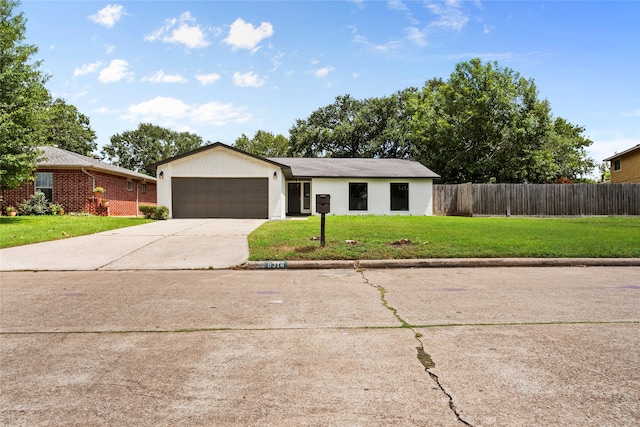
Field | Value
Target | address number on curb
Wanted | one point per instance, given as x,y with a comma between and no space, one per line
272,265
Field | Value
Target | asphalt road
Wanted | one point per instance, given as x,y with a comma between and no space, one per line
442,347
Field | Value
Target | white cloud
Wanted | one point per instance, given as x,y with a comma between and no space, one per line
117,70
389,46
109,48
243,35
160,107
397,5
109,15
323,72
175,112
248,79
416,36
161,77
449,15
181,31
219,114
87,69
207,79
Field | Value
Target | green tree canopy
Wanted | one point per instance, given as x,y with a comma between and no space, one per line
23,100
374,127
69,129
486,124
146,145
264,144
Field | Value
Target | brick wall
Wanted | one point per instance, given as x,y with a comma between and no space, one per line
73,189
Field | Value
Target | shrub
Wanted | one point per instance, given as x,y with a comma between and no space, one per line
154,212
36,205
56,209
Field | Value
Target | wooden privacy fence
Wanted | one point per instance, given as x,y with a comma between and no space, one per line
536,199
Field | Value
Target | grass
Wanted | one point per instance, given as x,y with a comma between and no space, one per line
381,237
23,230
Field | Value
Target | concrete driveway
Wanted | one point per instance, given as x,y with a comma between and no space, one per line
176,244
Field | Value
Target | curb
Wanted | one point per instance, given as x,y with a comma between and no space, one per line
442,263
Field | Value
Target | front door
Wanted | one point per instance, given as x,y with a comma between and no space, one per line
293,198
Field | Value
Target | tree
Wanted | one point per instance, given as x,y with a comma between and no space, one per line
69,129
486,124
567,145
23,100
374,127
264,144
146,145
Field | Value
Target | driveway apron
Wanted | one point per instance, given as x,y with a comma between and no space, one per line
176,244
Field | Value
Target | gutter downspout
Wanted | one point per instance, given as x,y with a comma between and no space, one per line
137,201
93,182
93,179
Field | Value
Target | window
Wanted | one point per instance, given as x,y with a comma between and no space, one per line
616,164
129,186
357,196
399,196
306,197
144,188
44,183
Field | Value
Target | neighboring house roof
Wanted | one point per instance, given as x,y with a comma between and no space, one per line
298,167
355,168
617,155
54,157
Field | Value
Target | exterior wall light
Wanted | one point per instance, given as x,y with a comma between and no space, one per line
275,175
161,175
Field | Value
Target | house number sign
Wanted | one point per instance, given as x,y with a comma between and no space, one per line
271,265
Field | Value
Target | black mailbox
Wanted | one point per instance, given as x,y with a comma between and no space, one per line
323,203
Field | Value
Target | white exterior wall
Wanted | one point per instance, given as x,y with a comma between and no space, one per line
220,162
379,196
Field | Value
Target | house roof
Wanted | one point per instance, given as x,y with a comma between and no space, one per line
355,168
54,157
299,167
617,155
154,166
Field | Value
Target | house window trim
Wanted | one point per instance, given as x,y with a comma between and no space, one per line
617,164
144,188
391,208
37,188
365,198
129,185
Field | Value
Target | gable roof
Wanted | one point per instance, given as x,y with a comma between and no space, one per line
57,158
617,155
305,167
154,166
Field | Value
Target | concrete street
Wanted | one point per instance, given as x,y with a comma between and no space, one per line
440,346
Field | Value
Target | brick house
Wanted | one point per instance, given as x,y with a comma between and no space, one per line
625,166
68,179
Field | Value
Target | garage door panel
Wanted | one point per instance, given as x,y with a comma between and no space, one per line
220,197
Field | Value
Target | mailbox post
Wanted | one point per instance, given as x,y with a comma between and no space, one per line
323,206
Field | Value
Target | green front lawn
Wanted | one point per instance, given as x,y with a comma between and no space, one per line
383,237
23,230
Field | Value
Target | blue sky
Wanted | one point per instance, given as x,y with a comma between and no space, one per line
224,68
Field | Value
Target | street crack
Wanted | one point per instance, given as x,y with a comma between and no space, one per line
423,357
